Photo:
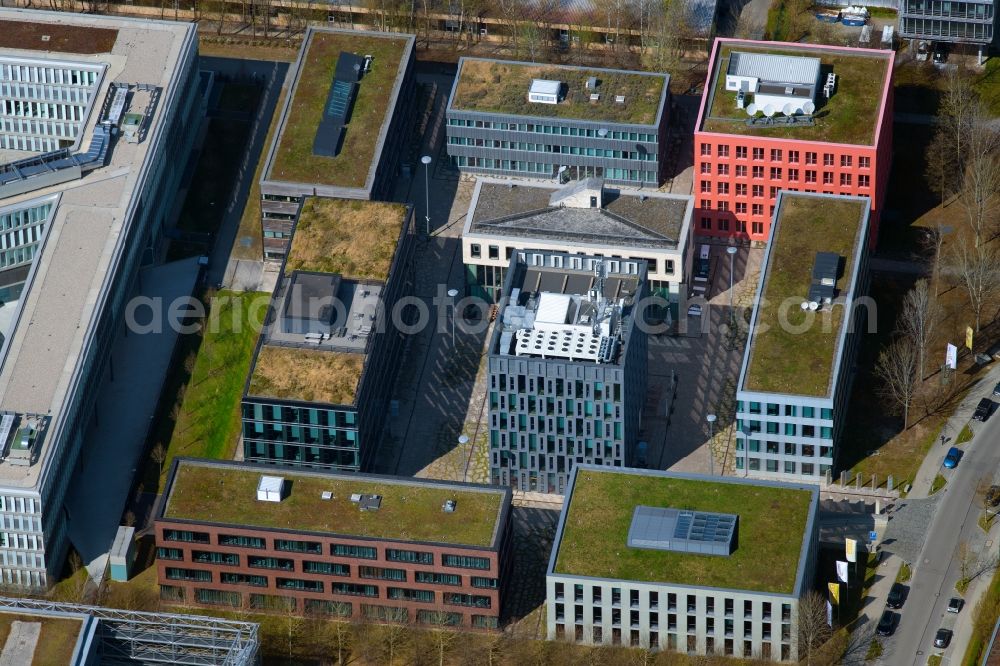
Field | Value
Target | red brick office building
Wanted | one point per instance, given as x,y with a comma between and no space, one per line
360,546
843,147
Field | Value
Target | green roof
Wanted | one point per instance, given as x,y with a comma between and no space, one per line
226,494
294,160
498,86
309,375
772,524
56,640
850,116
356,239
786,354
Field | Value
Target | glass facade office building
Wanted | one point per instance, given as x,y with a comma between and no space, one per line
948,21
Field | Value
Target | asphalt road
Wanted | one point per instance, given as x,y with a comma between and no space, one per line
938,568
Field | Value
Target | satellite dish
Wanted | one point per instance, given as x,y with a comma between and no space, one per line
813,305
752,109
768,110
787,109
602,132
805,305
809,107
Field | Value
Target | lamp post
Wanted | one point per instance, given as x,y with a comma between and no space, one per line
452,293
731,251
711,455
462,441
426,161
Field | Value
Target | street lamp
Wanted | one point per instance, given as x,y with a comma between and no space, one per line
426,161
452,293
731,251
711,455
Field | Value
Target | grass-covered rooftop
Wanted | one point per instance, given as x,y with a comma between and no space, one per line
849,116
294,160
788,354
772,523
497,86
356,239
56,640
410,510
309,375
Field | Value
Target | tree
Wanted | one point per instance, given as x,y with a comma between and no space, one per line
443,634
896,368
966,560
941,166
980,189
918,320
812,627
159,456
974,264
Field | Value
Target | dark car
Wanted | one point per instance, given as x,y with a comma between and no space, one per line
983,410
940,54
996,389
952,457
955,604
897,595
942,638
887,624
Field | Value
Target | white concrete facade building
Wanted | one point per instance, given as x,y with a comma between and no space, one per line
658,609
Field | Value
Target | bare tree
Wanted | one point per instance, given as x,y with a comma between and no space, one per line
812,628
159,456
980,190
974,264
941,171
918,320
966,559
896,368
956,110
673,27
442,633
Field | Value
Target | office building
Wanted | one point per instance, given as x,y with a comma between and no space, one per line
566,367
698,564
318,390
353,546
791,401
79,218
960,22
583,217
343,127
797,117
53,633
558,122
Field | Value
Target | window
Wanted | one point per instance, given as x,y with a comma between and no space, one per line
330,568
758,172
706,204
776,173
758,191
479,581
706,167
741,152
706,150
758,209
279,563
449,579
723,205
758,227
773,192
241,541
864,162
229,578
722,150
169,554
810,158
456,599
494,251
723,188
218,597
412,556
722,169
808,412
706,223
385,613
845,180
864,181
741,208
793,174
793,156
741,189
205,557
723,225
827,159
706,187
489,622
354,589
290,546
199,575
476,250
827,178
741,170
423,596
808,431
439,618
346,550
465,562
810,176
845,161
185,536
758,153
775,155
324,607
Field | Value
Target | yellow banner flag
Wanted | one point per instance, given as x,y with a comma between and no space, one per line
834,593
851,546
968,337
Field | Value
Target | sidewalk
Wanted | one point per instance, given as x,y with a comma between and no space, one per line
963,624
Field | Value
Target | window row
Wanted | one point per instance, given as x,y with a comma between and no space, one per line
787,429
641,156
538,128
776,154
691,603
722,187
782,466
785,448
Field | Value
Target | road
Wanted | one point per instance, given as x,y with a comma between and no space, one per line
938,568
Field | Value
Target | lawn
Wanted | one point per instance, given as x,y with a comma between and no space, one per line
938,484
788,354
847,117
987,84
965,435
502,87
294,160
356,239
306,374
771,524
410,510
984,618
208,422
904,573
56,641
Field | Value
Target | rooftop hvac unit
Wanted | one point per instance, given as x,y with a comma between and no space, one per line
619,99
448,506
270,489
591,82
595,97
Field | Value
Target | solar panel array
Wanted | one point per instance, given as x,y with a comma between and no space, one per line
340,99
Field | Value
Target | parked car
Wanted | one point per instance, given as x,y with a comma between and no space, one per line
983,410
940,53
694,310
996,389
922,49
897,595
982,359
955,603
887,624
942,638
952,457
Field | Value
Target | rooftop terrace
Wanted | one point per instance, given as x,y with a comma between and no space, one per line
850,116
56,642
293,159
498,86
411,509
308,375
55,37
773,520
784,355
356,239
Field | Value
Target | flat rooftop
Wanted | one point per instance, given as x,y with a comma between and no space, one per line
306,375
786,355
292,158
636,219
87,225
57,38
774,524
411,509
500,86
355,239
56,639
850,116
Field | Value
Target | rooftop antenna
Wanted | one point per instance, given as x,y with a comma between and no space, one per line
601,273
